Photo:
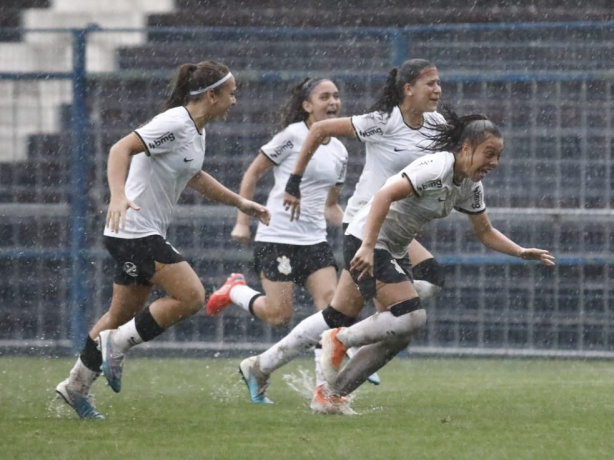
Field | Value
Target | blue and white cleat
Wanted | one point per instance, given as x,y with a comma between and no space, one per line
373,378
82,404
255,380
112,360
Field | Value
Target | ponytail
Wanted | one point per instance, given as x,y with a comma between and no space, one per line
193,77
457,130
293,111
392,93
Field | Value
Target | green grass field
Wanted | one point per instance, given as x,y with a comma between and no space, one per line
424,409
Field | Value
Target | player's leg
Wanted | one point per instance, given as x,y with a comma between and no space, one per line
429,275
321,285
75,390
305,335
186,296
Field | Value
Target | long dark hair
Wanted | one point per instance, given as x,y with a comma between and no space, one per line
473,128
192,77
392,93
293,110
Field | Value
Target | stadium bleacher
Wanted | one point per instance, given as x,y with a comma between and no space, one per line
540,168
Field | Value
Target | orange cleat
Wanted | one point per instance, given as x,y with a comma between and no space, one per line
220,299
324,402
333,352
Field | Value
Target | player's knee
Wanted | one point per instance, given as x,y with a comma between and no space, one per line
426,290
280,318
431,271
193,299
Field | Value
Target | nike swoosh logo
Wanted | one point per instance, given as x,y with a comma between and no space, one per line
399,150
442,199
186,160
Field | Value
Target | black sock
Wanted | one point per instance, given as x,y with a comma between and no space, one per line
90,355
146,326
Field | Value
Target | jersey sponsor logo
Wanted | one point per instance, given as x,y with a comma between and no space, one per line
167,137
477,198
431,184
284,266
130,269
279,150
371,132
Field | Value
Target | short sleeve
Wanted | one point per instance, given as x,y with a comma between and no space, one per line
161,135
425,174
370,127
474,202
280,147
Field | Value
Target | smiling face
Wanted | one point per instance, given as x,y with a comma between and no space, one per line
475,163
324,102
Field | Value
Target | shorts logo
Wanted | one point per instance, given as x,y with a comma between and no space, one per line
284,266
397,267
130,269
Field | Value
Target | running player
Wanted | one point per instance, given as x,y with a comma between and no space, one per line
159,159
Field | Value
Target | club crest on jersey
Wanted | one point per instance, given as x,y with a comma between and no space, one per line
130,269
170,137
284,266
397,267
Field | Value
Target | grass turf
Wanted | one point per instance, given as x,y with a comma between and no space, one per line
424,409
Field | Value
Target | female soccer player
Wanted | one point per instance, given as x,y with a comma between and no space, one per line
395,132
292,252
159,159
375,244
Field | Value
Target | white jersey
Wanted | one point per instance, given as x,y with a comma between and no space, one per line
174,154
326,169
436,195
390,145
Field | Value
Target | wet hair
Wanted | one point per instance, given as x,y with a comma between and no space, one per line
293,110
457,130
192,77
392,93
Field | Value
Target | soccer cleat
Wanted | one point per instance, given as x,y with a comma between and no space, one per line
373,378
82,404
255,380
112,360
220,299
324,402
333,352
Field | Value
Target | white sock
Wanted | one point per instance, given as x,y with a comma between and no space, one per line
425,289
126,336
305,334
81,378
242,295
317,353
381,326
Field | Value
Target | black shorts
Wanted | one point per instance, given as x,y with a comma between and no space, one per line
386,268
135,258
290,262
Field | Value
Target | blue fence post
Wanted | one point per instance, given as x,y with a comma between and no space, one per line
398,45
78,191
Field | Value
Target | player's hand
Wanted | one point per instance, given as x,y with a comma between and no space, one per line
241,234
253,209
362,262
116,213
293,204
537,254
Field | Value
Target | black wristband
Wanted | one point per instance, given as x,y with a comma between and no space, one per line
293,186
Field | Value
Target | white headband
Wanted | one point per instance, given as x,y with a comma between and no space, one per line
214,85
